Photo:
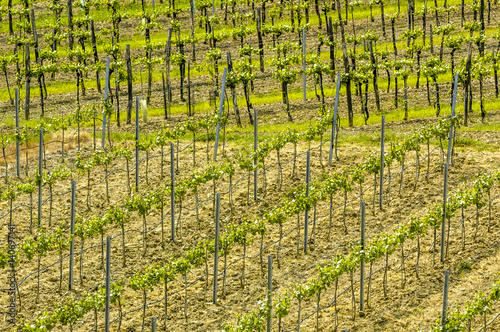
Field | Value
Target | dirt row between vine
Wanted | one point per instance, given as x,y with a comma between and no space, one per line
319,253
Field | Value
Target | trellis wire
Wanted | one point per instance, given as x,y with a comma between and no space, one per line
257,255
210,199
240,258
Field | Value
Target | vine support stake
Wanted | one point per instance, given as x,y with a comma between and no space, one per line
334,121
172,191
40,174
255,146
72,244
13,285
269,291
450,139
27,81
96,59
443,223
382,153
259,38
453,105
467,97
153,324
304,64
18,157
454,100
306,219
128,63
70,23
221,110
167,69
216,253
362,269
108,276
136,144
190,111
193,24
106,86
445,297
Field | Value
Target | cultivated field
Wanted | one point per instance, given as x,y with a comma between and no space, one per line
249,166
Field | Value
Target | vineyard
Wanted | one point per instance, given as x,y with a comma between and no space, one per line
249,165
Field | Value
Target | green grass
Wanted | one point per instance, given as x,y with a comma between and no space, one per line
468,142
136,40
479,126
296,94
244,135
463,268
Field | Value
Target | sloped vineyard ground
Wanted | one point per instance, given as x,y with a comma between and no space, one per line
294,268
415,281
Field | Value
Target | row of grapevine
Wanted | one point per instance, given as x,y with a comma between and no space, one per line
69,312
241,234
367,69
44,242
458,320
381,246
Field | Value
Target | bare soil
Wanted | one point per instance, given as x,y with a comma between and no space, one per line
417,295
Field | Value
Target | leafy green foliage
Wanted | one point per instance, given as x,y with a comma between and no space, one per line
458,321
72,310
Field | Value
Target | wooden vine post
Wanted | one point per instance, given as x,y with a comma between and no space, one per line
108,277
167,69
452,131
333,138
346,67
40,176
331,44
72,243
448,158
450,140
362,268
306,219
153,324
96,59
382,154
443,222
192,12
172,191
304,64
137,144
221,110
38,60
106,90
375,75
233,81
259,37
467,98
269,291
18,137
11,253
130,99
190,110
216,252
454,99
9,6
69,6
255,147
445,298
27,69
